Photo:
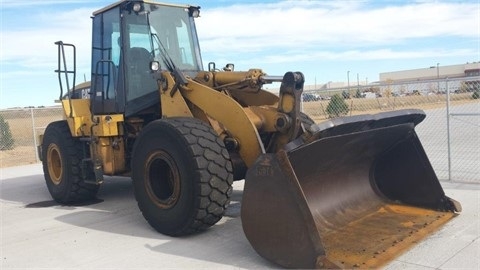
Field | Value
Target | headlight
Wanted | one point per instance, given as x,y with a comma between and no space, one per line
194,11
154,66
137,7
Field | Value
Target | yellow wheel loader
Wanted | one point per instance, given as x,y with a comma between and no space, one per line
349,192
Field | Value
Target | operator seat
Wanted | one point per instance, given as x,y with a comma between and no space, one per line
140,81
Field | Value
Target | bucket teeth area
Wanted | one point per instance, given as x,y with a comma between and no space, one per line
379,237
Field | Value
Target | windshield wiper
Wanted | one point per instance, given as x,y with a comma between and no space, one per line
167,60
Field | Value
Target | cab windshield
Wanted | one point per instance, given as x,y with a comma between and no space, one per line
157,33
166,33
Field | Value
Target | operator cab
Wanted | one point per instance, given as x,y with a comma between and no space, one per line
127,37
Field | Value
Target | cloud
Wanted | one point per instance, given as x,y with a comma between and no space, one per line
329,28
29,3
31,46
254,34
360,55
344,24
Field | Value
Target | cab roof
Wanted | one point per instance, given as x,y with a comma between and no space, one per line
143,1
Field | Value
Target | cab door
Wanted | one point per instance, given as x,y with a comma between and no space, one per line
107,85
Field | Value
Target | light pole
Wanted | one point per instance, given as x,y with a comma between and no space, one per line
358,87
348,82
438,78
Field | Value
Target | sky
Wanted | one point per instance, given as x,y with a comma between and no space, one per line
329,41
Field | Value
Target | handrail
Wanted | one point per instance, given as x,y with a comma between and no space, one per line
64,70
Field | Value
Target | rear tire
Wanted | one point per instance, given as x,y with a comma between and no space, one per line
182,175
62,166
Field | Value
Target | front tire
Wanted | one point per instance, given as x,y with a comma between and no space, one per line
182,175
62,166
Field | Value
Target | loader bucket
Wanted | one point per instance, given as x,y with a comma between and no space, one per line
357,192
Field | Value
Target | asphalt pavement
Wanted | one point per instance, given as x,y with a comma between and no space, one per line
111,233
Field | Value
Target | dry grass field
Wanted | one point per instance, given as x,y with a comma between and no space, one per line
317,109
25,127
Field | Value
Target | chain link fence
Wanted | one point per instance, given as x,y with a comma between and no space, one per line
450,133
24,125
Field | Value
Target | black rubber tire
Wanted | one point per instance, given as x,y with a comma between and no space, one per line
62,160
182,175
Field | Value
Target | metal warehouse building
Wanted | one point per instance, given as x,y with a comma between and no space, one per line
433,72
453,78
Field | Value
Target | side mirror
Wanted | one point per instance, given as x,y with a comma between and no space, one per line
229,67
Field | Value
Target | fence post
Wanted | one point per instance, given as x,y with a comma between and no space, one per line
34,136
449,153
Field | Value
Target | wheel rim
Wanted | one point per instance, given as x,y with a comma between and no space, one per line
55,166
162,179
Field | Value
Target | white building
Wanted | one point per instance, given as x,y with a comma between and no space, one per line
433,72
423,80
434,79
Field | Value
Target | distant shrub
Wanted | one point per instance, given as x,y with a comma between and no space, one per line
337,106
476,94
358,94
6,139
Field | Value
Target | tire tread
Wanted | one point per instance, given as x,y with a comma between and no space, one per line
213,172
78,191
